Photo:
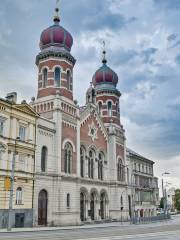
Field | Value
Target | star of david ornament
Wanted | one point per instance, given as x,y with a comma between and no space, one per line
92,131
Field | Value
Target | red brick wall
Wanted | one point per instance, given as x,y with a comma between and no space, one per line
100,142
52,63
52,91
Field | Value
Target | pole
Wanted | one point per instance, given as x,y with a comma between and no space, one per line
163,194
11,190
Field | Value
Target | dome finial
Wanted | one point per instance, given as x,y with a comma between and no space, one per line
56,17
104,61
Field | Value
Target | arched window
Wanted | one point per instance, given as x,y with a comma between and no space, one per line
69,80
120,171
82,154
68,152
109,109
117,108
100,108
45,74
91,164
2,150
19,195
68,200
57,76
44,152
100,167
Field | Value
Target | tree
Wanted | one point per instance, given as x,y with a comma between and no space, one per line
162,203
177,199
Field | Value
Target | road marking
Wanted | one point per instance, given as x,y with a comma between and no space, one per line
132,236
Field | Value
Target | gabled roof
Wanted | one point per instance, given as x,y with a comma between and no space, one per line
137,155
89,110
26,108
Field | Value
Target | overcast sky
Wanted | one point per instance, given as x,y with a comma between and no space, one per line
143,47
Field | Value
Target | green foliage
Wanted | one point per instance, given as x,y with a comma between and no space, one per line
161,203
177,199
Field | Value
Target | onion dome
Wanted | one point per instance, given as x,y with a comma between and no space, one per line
56,36
105,75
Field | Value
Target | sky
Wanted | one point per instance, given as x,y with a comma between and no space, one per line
143,47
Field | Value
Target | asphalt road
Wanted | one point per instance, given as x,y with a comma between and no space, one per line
156,231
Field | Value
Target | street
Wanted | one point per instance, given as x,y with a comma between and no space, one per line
164,230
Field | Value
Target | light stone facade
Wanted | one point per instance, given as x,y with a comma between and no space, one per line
17,120
81,165
142,185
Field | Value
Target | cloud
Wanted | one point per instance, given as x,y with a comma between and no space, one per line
171,37
168,4
142,44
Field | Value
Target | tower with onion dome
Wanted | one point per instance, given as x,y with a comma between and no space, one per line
107,95
55,62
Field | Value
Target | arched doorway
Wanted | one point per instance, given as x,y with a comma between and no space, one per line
42,207
129,203
141,213
82,206
103,205
92,205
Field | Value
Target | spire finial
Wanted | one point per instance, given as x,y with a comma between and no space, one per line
56,17
104,53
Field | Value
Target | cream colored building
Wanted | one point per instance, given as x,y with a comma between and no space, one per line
17,134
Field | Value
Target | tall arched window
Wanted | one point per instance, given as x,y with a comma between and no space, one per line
91,164
19,195
57,76
68,152
100,166
44,152
109,109
117,108
82,157
45,75
69,80
120,171
100,108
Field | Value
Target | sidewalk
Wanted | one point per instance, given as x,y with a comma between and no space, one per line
174,220
85,226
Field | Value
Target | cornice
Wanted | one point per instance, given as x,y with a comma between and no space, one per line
51,53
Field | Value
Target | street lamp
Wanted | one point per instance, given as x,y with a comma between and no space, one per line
163,193
11,187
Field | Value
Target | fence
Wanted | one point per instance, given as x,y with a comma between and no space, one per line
143,220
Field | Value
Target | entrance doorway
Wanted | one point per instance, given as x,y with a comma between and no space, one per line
42,207
92,205
129,202
102,205
82,206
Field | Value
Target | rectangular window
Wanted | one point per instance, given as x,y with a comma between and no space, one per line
22,162
22,133
1,127
19,196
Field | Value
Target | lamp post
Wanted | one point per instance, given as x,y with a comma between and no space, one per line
163,192
11,187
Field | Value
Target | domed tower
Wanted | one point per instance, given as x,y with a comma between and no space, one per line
107,95
55,62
